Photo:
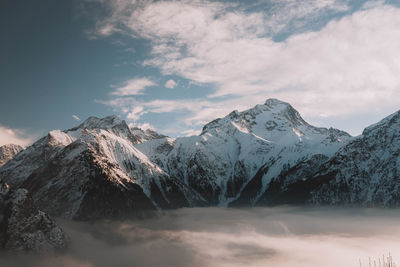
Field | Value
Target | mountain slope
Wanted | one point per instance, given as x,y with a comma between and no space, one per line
365,172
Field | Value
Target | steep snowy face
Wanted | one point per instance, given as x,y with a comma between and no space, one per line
93,171
8,151
146,135
114,125
230,151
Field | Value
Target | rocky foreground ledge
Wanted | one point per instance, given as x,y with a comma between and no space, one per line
23,227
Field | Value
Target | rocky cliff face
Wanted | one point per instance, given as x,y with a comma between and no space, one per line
7,152
23,226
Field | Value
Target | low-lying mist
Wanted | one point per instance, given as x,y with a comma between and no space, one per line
278,237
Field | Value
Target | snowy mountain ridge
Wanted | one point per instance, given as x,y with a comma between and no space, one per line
99,151
228,153
265,155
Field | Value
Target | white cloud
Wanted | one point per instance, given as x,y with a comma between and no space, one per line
15,136
197,112
193,17
351,66
170,84
135,112
134,108
76,118
134,86
191,132
144,126
346,67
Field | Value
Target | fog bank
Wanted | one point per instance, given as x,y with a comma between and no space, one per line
279,237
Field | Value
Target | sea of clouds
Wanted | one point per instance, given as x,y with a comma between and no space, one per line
197,237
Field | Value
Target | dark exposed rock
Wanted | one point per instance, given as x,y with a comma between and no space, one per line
23,226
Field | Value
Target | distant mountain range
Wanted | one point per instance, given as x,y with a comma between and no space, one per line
267,155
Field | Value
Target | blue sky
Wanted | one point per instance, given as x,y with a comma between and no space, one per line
175,65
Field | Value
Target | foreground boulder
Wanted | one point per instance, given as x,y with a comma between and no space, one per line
23,226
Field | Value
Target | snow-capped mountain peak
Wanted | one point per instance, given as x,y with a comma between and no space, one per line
97,157
8,151
111,124
231,150
273,115
100,123
274,121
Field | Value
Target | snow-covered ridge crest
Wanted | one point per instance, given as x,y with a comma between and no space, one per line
99,123
275,121
111,124
387,123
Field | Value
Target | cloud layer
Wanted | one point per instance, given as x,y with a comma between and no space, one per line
219,237
76,118
15,136
170,84
134,86
349,66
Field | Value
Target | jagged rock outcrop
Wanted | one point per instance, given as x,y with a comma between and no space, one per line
23,226
7,152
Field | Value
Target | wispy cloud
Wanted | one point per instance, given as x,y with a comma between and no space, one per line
76,118
194,112
194,16
191,132
344,68
347,66
144,126
134,86
15,136
134,108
